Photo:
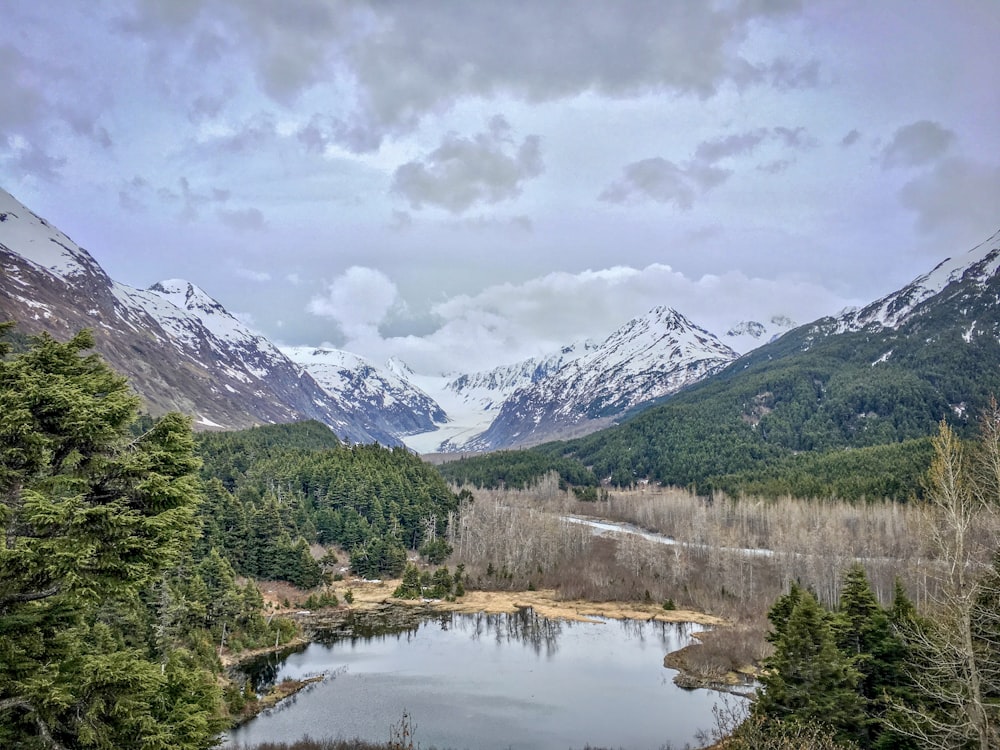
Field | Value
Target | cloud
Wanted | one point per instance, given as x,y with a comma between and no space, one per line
956,192
242,219
358,300
655,179
665,181
28,160
736,144
851,138
487,168
392,62
917,144
251,275
512,321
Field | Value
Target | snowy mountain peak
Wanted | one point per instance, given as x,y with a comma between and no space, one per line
749,334
976,267
750,328
41,244
187,296
651,356
399,368
382,399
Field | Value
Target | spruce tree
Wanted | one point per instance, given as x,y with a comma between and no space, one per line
91,514
808,679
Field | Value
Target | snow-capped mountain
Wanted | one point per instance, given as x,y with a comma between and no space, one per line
975,268
473,400
488,390
650,357
384,401
750,334
179,348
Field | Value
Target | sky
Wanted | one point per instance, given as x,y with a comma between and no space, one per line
465,184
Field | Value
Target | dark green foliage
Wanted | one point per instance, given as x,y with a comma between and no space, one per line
274,490
515,469
809,679
93,517
409,588
435,551
845,670
865,634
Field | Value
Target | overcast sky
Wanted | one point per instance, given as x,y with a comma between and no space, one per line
465,183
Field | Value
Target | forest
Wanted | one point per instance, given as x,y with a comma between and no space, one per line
131,548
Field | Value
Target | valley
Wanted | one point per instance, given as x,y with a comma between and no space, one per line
813,487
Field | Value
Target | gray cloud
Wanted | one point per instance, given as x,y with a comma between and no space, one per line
851,138
486,168
736,144
666,181
242,219
401,60
652,179
917,144
955,192
28,160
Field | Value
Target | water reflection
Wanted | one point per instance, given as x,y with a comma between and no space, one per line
524,626
489,681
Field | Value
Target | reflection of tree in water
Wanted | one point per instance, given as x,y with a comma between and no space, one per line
524,626
670,635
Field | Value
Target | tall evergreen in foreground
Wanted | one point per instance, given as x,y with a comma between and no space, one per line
91,516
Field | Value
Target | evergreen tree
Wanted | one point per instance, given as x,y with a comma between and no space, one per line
91,515
808,679
865,634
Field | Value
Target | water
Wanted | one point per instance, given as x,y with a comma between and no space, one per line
493,681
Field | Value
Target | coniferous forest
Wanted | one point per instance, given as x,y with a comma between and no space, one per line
125,538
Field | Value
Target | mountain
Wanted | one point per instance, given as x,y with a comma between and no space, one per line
488,390
384,401
750,334
881,375
179,348
650,357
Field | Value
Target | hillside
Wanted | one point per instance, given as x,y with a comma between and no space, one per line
879,376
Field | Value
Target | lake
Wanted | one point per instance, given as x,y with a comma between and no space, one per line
515,681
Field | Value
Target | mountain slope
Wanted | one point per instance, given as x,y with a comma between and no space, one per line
382,400
180,349
886,373
648,358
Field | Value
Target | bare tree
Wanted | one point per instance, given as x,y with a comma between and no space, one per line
954,669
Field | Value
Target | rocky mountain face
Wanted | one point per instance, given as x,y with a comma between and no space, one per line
383,400
179,348
648,358
183,351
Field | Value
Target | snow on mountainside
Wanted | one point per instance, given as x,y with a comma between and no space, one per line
489,389
975,267
384,400
179,348
473,400
649,357
749,334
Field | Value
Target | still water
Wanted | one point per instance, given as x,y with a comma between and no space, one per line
492,681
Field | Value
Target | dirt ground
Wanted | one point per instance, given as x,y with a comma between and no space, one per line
544,602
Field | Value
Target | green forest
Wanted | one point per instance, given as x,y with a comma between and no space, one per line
125,537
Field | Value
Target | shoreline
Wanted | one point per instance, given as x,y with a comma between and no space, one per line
371,596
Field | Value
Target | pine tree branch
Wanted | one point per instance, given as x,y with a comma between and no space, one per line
43,729
32,596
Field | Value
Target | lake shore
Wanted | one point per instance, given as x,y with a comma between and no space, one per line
370,596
